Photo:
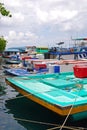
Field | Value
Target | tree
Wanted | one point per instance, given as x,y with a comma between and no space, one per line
2,44
2,48
4,11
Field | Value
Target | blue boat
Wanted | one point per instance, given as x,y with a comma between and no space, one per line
17,72
22,71
14,59
63,93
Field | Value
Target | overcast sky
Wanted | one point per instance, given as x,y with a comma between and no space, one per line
43,22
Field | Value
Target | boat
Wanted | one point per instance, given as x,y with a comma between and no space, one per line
11,66
17,72
14,59
63,93
6,66
23,71
78,49
8,61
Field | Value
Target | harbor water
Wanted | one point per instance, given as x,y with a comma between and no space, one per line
20,113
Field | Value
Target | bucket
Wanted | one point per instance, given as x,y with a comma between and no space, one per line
80,71
56,69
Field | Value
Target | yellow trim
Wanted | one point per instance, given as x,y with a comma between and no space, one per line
55,108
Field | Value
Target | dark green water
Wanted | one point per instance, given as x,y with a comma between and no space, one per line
12,111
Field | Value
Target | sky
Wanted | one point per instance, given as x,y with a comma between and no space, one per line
43,22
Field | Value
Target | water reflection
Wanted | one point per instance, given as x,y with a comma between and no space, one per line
26,109
23,108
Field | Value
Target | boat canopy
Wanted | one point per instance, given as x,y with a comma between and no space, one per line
80,39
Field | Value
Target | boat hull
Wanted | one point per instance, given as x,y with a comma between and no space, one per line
77,111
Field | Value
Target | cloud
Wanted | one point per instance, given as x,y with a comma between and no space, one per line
16,18
43,21
20,38
55,16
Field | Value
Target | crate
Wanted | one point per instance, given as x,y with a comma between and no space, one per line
40,66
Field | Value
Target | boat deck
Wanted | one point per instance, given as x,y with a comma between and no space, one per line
57,92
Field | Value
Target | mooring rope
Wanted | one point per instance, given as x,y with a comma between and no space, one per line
66,127
19,97
69,127
57,126
37,122
50,124
26,95
80,86
45,123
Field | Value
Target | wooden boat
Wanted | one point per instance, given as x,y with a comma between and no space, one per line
11,66
62,93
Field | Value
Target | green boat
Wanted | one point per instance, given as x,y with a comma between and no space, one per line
62,93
